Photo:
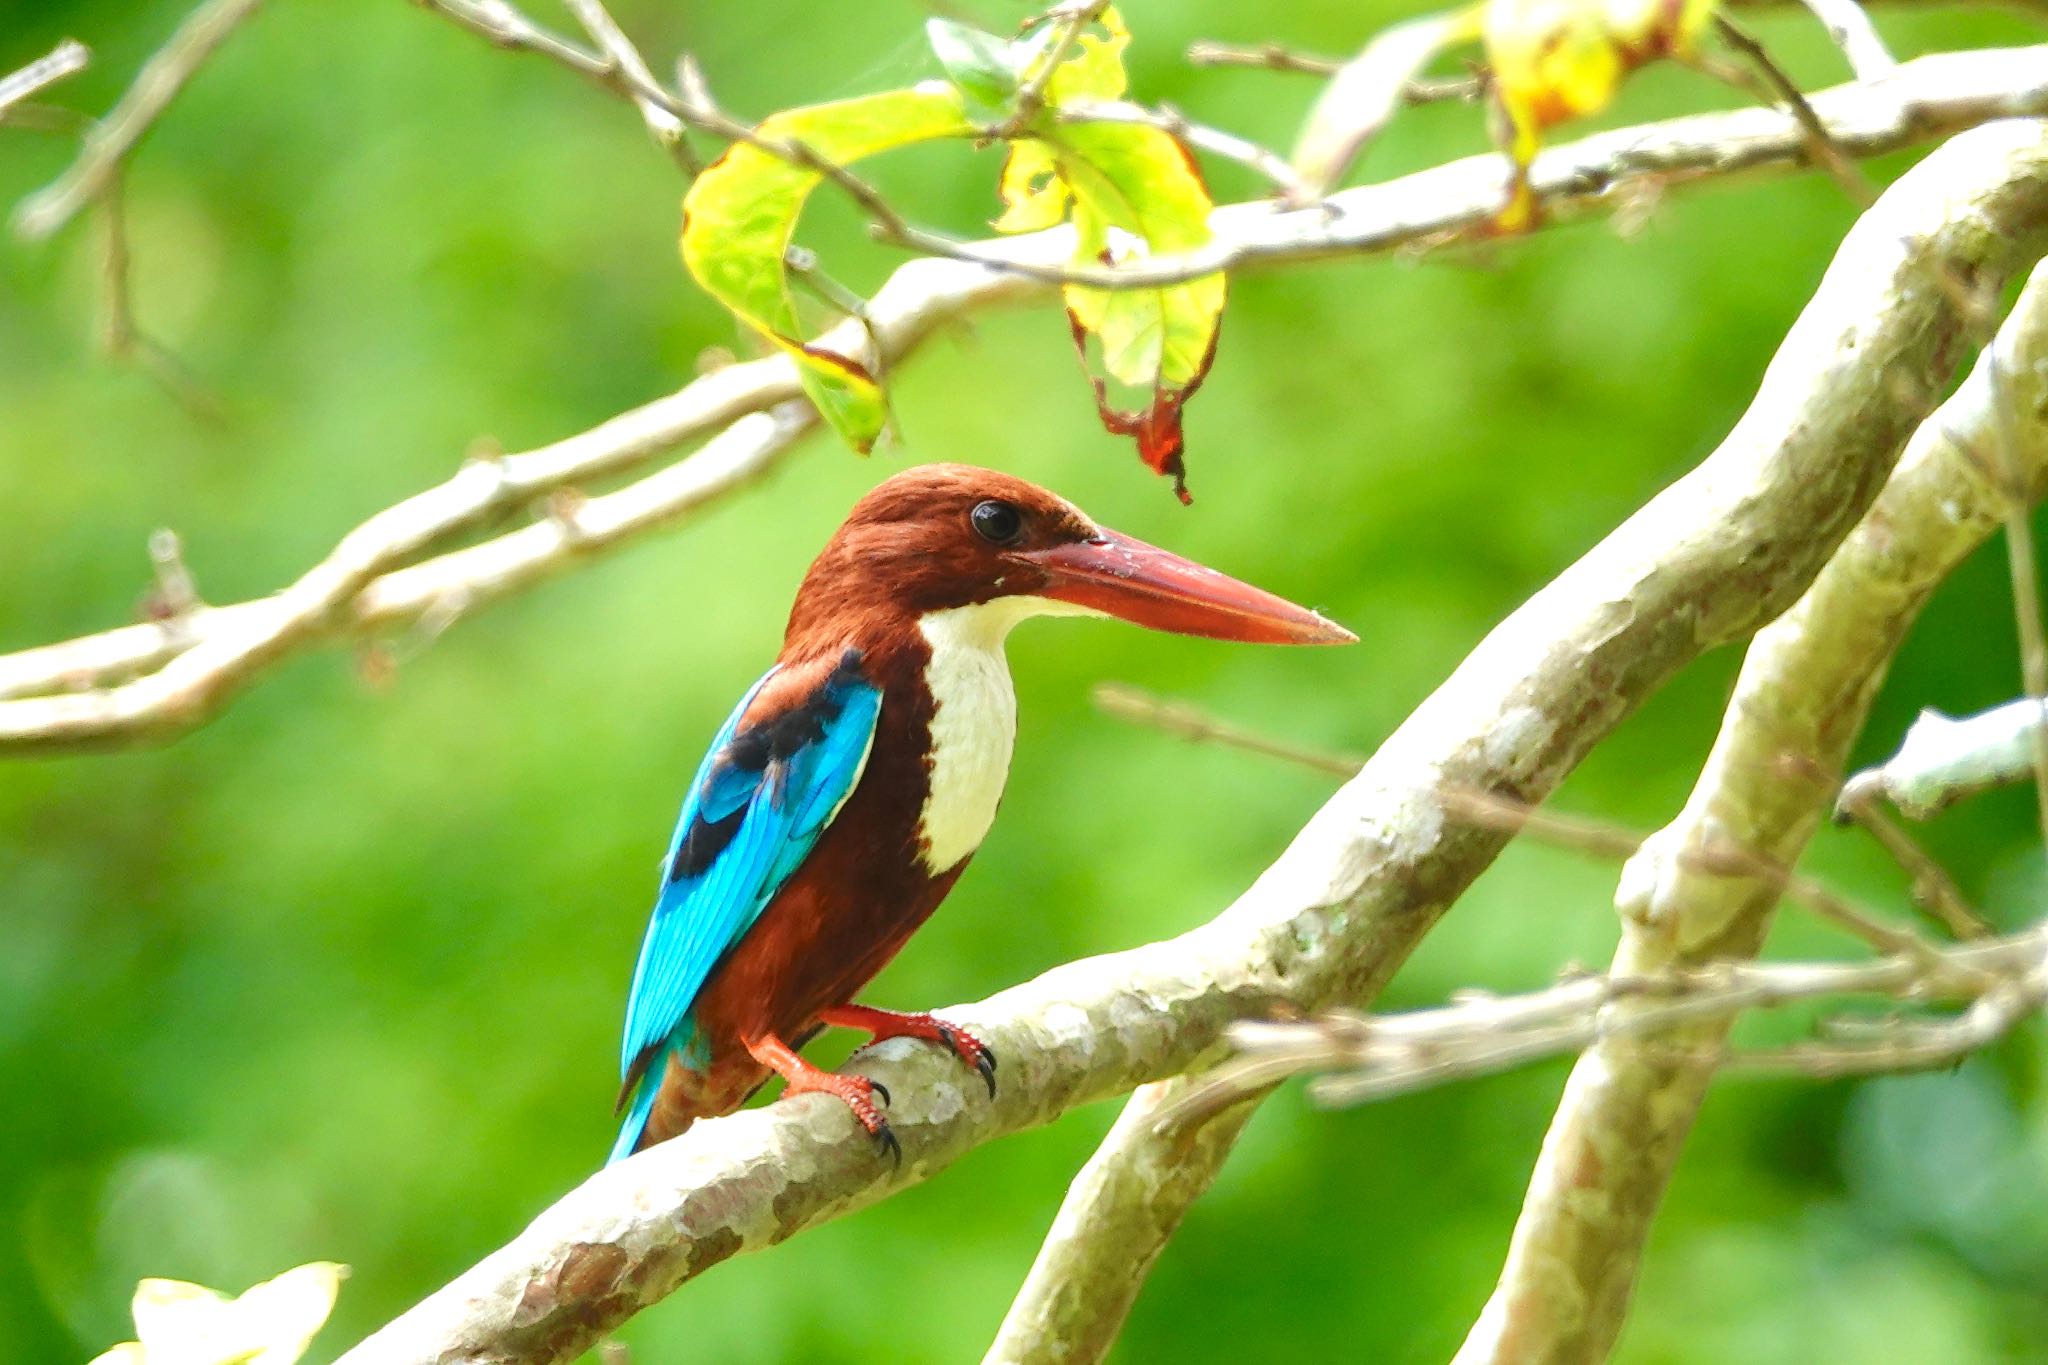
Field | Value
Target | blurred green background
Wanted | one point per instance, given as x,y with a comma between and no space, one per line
339,976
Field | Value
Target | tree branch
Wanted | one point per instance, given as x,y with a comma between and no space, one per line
1923,98
67,58
1853,378
115,136
1943,760
1366,1058
1705,562
1799,702
1849,25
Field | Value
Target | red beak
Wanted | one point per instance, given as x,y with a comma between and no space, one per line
1151,587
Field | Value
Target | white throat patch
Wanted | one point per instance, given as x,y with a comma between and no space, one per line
974,725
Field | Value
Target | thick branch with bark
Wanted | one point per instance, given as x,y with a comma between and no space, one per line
147,683
1708,561
1853,378
1804,690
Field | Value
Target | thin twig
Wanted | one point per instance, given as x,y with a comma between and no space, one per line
1778,87
1922,101
1266,56
65,59
1932,888
1718,858
1274,57
115,136
120,336
662,120
1192,723
1372,1057
1491,810
2023,568
1071,17
1848,23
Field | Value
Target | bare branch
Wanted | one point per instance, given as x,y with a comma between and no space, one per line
1069,17
1266,56
1771,84
1375,1057
1487,810
121,336
1943,760
1803,424
1927,95
505,27
1802,695
660,116
67,58
1192,723
115,136
1848,23
1933,890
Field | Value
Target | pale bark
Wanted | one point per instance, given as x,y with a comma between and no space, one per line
1800,701
1853,378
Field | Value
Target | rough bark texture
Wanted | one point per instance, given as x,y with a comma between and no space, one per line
1851,381
1799,703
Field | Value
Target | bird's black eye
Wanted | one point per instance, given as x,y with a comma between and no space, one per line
998,523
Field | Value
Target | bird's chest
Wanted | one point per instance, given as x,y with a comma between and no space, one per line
973,727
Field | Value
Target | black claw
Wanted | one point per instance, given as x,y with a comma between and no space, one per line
985,1063
883,1091
887,1145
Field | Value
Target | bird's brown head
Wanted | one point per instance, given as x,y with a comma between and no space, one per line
944,536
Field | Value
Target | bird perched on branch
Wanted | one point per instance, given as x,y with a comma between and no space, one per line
846,792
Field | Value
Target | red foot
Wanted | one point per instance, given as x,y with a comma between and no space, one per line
889,1024
857,1092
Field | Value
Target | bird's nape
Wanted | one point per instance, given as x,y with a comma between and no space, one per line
1124,577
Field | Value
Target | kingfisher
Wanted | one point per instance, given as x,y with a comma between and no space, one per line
847,791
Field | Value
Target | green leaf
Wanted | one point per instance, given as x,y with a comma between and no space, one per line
987,69
1131,191
741,213
1136,195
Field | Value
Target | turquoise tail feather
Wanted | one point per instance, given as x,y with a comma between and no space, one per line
636,1117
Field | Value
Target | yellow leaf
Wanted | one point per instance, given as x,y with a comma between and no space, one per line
1554,60
1034,196
1095,70
740,216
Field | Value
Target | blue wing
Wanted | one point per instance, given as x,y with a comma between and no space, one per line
761,799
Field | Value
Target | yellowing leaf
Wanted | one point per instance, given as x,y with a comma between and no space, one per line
189,1324
1554,60
1033,194
741,213
1132,192
1094,68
